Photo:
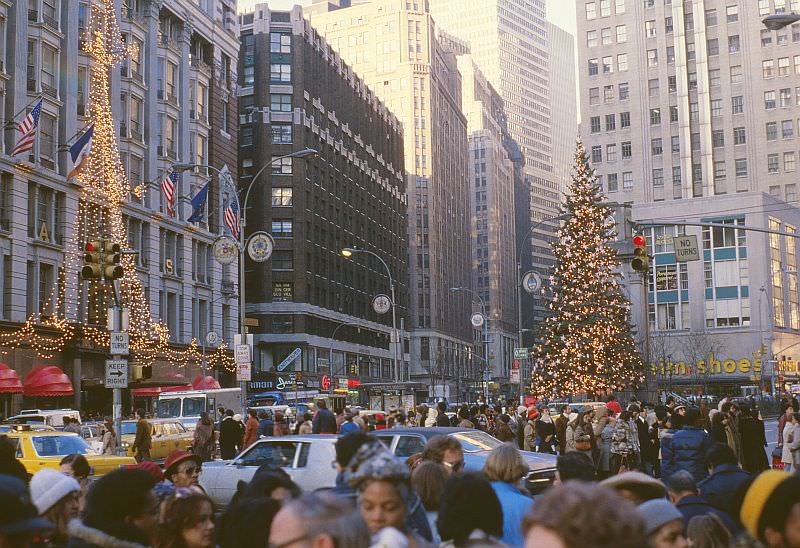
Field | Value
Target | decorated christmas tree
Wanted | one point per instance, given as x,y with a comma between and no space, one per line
587,344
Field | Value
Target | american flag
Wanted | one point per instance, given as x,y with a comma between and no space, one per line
168,186
231,217
27,129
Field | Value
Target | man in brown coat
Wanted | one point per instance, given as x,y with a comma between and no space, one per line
561,428
144,438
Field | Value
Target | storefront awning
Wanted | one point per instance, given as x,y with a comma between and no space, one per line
152,391
47,380
9,380
205,383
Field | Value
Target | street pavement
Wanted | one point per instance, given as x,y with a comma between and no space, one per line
771,430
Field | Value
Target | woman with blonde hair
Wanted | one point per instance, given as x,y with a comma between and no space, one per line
504,469
707,531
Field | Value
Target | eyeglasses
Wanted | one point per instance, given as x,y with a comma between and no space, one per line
288,542
455,466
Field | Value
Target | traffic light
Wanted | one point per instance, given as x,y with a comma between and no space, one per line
640,261
92,260
142,372
111,258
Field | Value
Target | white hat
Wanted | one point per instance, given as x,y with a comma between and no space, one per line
237,417
48,486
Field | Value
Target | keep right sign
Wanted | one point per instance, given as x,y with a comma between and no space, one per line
686,248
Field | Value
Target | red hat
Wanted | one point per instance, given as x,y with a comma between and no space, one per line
150,467
177,457
532,413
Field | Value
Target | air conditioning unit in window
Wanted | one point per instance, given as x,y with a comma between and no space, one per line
168,266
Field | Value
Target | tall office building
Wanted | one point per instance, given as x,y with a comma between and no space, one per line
393,45
173,101
687,113
298,93
491,173
510,43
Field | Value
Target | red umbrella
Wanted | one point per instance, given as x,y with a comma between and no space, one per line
9,380
205,383
47,380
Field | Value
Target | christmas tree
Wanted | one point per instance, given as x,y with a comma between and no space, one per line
587,344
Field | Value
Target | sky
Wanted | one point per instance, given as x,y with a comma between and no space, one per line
560,12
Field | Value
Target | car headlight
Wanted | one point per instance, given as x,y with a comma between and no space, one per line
125,444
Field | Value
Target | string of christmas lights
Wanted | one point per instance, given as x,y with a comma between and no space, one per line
104,190
587,345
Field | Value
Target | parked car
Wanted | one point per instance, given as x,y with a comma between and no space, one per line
477,445
168,435
50,417
307,459
37,449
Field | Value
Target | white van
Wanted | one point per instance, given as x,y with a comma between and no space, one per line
187,405
50,417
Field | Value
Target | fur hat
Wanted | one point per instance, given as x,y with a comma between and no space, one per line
48,486
657,513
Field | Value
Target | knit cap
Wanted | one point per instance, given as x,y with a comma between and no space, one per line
48,486
656,513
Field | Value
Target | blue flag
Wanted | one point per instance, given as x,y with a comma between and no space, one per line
198,203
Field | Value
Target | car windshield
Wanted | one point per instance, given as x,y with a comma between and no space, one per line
56,446
169,409
128,428
476,441
192,407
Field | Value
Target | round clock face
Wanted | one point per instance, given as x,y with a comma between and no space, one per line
212,338
260,247
226,250
381,304
477,320
532,282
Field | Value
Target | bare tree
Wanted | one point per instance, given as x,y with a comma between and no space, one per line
697,346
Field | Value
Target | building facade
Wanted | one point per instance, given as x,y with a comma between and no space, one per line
687,107
393,45
173,101
298,93
511,45
491,173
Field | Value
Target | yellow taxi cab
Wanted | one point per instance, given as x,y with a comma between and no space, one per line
37,449
167,435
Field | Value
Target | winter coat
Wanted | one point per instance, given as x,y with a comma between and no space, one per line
687,451
530,436
230,438
721,486
515,506
790,434
81,536
144,437
109,443
349,427
697,505
250,432
305,428
203,445
546,434
503,432
646,448
265,427
466,423
430,420
733,437
754,457
561,432
324,422
622,439
442,420
603,459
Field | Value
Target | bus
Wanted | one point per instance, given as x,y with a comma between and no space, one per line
187,405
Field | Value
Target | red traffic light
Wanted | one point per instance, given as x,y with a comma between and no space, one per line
639,240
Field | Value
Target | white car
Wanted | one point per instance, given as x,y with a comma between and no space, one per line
309,460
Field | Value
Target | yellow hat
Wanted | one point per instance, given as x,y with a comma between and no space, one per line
757,496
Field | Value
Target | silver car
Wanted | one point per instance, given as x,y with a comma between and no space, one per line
309,460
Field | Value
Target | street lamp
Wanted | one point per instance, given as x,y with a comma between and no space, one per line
485,335
778,21
347,253
304,153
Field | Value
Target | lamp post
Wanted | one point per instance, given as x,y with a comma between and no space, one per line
305,153
485,335
777,21
348,252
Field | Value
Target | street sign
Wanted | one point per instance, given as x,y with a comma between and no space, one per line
243,372
325,384
686,248
513,376
288,360
119,343
116,374
515,364
242,353
520,353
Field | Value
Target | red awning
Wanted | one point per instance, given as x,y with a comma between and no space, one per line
9,380
152,391
205,383
47,380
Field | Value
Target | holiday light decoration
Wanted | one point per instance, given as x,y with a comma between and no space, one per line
586,344
104,190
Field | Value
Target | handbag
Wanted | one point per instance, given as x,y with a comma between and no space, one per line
583,445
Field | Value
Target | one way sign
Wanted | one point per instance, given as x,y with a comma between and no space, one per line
116,374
